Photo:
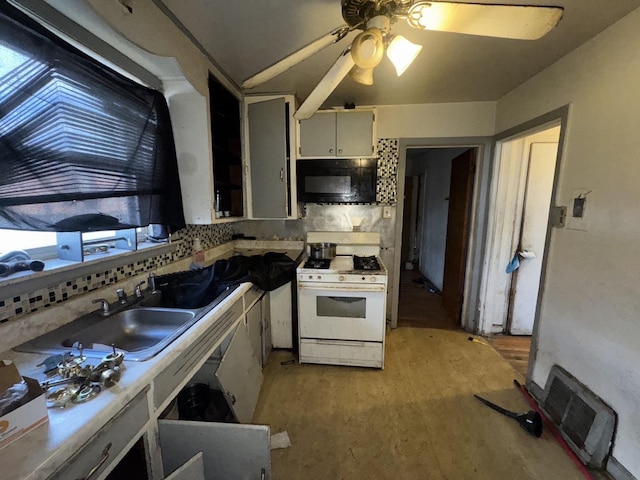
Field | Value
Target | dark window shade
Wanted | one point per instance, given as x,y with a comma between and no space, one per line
82,148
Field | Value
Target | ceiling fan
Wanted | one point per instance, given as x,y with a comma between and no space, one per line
374,18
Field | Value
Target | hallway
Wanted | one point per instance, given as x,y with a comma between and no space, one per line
421,307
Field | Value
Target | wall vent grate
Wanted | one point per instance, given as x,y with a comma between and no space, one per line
584,420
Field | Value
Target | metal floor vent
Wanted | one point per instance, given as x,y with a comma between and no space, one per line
584,420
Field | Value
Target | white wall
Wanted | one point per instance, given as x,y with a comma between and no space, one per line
589,316
436,120
434,223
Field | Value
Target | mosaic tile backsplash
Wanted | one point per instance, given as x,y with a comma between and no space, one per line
17,306
387,184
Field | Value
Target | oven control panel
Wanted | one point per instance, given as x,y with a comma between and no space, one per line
342,278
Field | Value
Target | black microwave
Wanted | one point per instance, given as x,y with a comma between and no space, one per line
348,180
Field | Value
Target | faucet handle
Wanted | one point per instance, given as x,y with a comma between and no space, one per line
104,308
138,290
122,296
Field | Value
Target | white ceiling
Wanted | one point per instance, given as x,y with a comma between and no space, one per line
245,36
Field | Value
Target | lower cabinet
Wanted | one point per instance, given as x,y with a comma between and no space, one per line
258,323
97,456
281,316
229,451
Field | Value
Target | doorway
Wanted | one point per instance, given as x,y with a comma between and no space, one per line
523,182
438,195
526,166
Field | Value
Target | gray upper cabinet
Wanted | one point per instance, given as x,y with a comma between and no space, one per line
318,135
270,136
345,133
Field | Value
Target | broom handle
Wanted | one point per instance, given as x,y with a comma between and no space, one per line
497,408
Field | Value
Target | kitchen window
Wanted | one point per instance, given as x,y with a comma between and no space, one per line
82,148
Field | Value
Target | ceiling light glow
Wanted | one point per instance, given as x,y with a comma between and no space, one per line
402,53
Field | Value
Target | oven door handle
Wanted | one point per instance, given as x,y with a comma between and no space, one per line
343,343
342,287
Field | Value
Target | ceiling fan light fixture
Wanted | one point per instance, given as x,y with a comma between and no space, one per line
367,48
402,53
363,76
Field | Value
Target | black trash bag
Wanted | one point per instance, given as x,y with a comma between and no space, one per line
197,288
188,289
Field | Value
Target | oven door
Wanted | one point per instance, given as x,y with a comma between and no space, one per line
341,311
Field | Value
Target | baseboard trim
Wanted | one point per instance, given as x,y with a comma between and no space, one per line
617,471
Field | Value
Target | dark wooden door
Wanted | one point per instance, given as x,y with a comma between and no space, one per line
455,257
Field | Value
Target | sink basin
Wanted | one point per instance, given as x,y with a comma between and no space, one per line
141,330
132,330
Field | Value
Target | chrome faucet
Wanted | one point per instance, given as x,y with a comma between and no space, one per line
138,290
104,308
152,283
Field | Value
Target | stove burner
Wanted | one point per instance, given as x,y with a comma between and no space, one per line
317,263
366,263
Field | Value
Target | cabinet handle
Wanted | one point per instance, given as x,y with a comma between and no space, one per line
282,174
263,474
105,456
331,150
232,397
340,151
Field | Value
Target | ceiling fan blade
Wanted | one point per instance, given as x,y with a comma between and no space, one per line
329,82
504,21
296,57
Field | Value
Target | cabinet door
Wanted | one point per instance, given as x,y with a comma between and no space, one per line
230,451
193,469
254,328
281,315
268,156
240,376
318,135
266,330
354,134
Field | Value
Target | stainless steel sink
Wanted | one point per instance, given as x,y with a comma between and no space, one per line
140,332
133,330
138,329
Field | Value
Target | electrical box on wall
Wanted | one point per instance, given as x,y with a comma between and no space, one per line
580,206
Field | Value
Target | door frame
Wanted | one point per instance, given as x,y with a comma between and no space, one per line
556,117
477,221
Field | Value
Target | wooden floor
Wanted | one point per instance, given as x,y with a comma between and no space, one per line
420,306
416,419
514,349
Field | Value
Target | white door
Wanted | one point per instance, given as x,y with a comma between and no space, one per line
526,279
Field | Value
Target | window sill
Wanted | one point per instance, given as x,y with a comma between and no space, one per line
57,271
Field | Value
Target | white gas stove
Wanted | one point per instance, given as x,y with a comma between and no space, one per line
342,302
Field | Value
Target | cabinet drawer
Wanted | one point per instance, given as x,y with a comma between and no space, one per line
336,352
253,294
178,372
120,430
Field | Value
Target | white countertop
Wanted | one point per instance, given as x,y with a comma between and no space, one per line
42,451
